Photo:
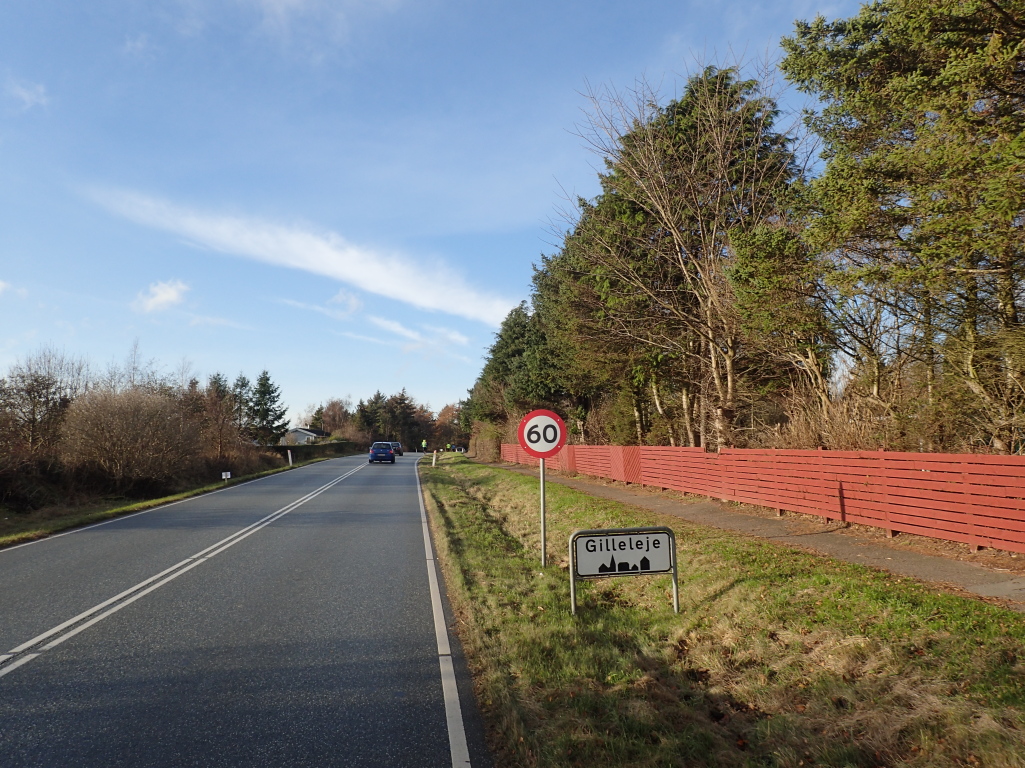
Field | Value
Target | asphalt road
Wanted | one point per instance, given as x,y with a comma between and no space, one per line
238,629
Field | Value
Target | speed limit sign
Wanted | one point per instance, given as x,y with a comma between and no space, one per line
542,433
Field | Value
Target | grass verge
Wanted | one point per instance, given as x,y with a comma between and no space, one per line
18,528
778,658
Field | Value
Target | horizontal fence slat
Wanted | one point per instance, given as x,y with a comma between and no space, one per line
972,498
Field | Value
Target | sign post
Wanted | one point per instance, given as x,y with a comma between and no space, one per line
542,434
596,554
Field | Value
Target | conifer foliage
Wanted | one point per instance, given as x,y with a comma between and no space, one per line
727,289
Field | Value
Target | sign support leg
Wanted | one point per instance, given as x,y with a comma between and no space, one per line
572,578
676,580
544,529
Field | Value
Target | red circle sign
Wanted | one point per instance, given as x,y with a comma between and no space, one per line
542,433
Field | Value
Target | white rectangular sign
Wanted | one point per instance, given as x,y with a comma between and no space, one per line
225,475
623,553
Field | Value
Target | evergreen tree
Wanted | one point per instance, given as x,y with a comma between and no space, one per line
317,421
267,412
242,397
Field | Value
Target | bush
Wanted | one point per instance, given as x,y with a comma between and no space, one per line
133,437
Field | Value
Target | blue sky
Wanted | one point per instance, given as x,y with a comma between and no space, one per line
348,193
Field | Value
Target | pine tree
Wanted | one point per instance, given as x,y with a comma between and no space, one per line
317,421
267,413
242,395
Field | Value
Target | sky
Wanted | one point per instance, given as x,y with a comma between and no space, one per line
349,194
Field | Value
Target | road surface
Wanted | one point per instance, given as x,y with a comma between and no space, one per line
284,622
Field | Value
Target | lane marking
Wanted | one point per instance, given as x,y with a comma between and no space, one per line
80,623
23,660
453,712
119,518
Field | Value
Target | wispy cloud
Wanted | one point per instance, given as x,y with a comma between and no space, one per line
348,303
370,339
28,95
136,45
6,287
447,333
160,296
343,305
334,314
392,275
396,327
316,25
439,339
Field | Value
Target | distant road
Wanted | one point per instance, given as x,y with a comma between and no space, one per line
284,622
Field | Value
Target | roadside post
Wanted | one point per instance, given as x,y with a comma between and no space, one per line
542,433
225,476
597,554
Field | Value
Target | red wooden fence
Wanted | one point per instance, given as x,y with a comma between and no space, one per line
971,498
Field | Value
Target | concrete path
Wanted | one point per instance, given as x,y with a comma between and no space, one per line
808,533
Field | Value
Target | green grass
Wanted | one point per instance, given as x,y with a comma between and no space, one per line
18,528
778,658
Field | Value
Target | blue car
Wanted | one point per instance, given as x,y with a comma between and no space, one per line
382,452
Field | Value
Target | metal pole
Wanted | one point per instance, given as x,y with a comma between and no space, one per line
544,542
572,577
676,583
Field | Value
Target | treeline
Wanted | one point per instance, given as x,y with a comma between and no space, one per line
395,418
730,286
130,429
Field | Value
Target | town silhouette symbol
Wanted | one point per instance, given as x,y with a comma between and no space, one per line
624,567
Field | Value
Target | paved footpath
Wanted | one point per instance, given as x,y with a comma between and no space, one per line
799,531
297,620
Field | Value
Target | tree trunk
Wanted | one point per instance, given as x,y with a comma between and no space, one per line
661,410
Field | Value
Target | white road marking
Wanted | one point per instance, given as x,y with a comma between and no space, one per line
132,594
23,660
119,518
453,712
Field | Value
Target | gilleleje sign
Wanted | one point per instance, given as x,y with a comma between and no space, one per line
602,552
623,554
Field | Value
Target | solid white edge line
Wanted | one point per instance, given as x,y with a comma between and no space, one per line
454,715
119,518
458,748
196,560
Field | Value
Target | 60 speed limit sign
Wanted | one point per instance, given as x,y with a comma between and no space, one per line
542,433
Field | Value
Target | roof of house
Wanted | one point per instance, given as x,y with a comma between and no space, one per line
310,431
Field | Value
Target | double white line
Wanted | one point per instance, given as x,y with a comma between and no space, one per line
17,657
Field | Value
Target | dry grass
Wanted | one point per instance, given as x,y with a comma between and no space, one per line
777,658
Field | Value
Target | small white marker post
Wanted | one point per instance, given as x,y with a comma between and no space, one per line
542,434
434,461
289,458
